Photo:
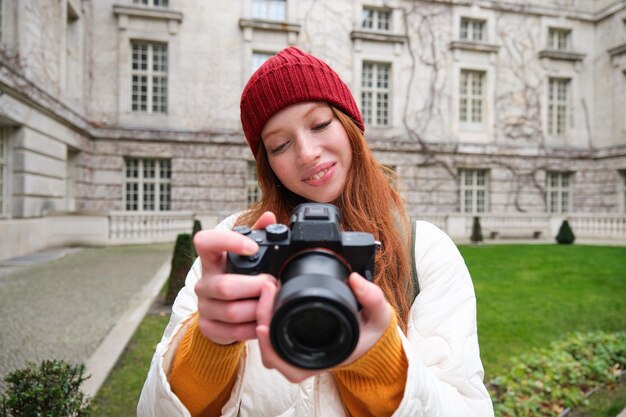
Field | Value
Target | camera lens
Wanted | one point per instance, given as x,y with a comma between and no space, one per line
314,333
314,325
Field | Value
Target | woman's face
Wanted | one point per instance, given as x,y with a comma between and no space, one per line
309,151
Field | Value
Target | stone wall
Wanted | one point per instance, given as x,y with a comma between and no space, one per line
65,99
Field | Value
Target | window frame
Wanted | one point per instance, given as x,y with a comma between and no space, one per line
470,30
377,111
375,18
622,190
152,3
253,191
558,34
4,171
150,75
141,181
2,31
256,54
275,10
553,118
559,190
474,188
470,98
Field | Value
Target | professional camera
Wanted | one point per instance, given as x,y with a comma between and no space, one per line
314,324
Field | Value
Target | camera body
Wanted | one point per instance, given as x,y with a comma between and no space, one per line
313,226
314,324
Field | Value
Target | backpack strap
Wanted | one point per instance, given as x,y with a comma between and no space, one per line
416,284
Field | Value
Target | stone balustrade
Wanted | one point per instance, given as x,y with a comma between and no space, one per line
592,225
21,236
148,227
540,226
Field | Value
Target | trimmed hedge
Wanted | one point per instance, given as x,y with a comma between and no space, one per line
197,226
565,235
547,381
182,259
477,231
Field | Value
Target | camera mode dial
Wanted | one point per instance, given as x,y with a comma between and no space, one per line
276,232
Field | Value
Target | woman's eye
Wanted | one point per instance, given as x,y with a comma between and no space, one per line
321,126
278,149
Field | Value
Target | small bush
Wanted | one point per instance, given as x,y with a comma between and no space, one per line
182,259
197,226
477,231
51,389
565,235
546,382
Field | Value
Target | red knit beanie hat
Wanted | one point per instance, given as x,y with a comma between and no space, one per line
289,77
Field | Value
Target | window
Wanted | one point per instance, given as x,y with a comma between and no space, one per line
72,53
376,19
258,58
149,77
375,95
71,169
253,193
1,20
269,9
473,190
157,3
623,191
472,96
558,189
473,30
4,139
558,93
559,39
148,184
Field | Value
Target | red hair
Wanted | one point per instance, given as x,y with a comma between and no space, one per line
370,203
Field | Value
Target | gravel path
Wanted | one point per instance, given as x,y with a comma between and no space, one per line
63,308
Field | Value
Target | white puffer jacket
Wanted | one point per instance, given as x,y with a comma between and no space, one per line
445,371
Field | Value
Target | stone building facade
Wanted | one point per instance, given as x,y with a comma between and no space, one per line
119,119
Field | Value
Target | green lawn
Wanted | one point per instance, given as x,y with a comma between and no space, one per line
528,296
119,395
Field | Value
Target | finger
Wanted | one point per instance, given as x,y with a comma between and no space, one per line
371,297
224,333
233,312
265,308
211,244
263,318
228,287
266,219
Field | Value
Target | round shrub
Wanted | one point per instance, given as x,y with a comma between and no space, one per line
50,389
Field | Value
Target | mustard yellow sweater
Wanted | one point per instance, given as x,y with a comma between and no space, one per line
204,373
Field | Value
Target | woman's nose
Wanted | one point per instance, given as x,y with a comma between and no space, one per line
308,150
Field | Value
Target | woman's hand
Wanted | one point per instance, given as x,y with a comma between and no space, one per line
227,303
374,318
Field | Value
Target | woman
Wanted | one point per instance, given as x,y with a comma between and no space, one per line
414,357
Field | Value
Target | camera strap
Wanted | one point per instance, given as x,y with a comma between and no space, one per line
414,280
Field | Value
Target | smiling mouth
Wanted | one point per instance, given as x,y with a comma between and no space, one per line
317,175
